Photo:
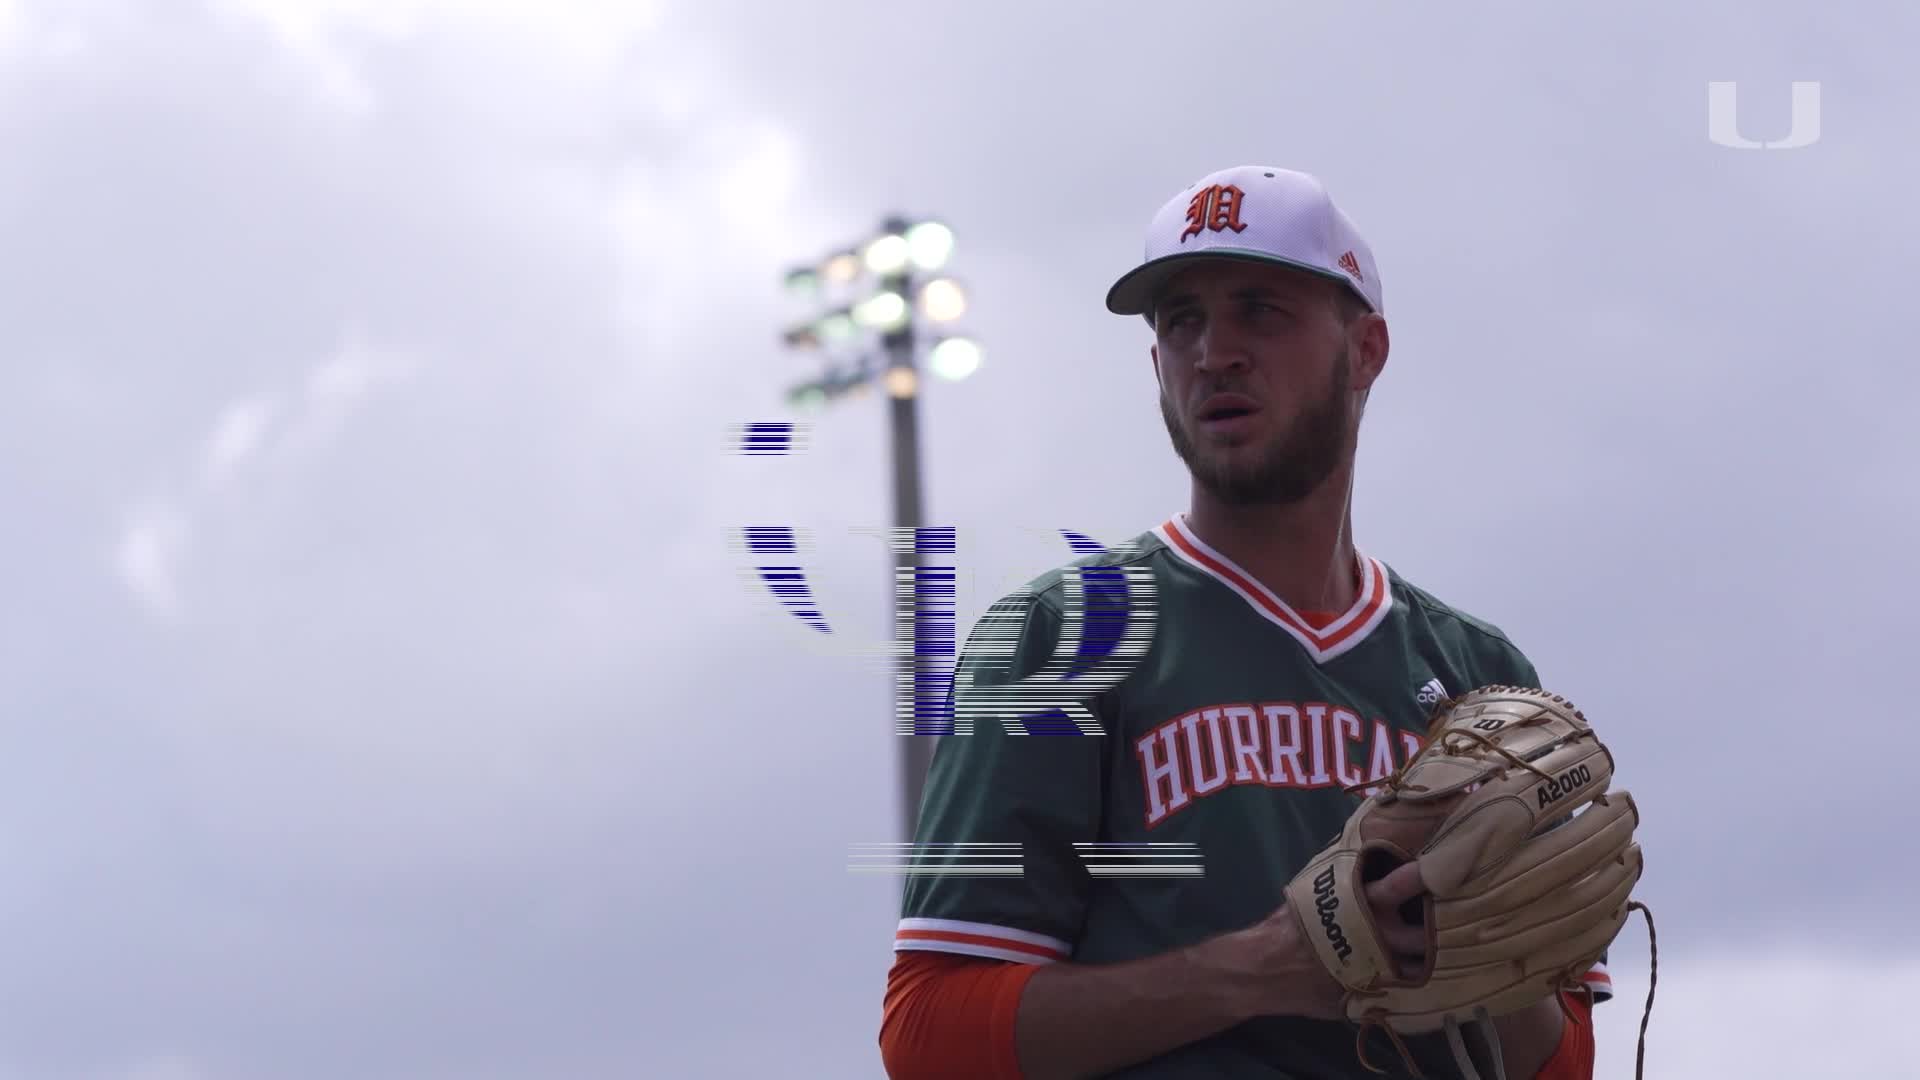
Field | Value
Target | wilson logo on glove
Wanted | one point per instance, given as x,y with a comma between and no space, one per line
1328,905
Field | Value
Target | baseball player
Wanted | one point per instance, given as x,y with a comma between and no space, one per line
1287,669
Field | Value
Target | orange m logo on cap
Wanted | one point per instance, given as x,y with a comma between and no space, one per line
1216,207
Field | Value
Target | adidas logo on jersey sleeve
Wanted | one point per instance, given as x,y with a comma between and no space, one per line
1431,693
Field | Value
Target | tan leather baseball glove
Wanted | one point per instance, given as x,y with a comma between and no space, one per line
1528,860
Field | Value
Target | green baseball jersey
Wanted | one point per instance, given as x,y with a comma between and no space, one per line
1218,759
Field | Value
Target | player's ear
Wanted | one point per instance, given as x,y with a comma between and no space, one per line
1367,347
1154,351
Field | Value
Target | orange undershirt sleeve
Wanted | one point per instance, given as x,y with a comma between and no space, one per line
950,1017
1573,1058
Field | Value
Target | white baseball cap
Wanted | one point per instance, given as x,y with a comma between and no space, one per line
1260,213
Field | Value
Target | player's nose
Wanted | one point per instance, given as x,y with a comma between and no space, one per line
1222,349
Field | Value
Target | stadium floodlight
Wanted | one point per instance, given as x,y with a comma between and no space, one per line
807,397
902,382
929,245
879,306
943,300
803,282
954,358
835,326
888,254
804,336
882,311
841,268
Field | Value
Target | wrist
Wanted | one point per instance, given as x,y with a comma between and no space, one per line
1531,1038
1283,975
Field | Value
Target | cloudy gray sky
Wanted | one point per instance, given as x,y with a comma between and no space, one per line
379,696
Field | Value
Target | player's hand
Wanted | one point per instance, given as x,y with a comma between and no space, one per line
1297,984
1394,900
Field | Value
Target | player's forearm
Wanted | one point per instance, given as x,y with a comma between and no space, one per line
1529,1037
1078,1020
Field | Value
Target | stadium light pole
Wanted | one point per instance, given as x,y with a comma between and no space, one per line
871,301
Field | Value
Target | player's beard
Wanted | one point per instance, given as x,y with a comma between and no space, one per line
1296,462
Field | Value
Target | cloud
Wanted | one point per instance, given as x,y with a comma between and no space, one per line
148,555
334,43
395,341
236,436
1722,1015
312,33
159,1068
342,383
721,213
262,429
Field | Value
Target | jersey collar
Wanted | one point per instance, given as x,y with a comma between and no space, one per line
1352,627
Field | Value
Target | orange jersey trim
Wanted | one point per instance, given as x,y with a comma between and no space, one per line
983,940
1324,640
1038,952
1599,981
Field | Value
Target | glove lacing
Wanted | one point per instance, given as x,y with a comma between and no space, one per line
1449,743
